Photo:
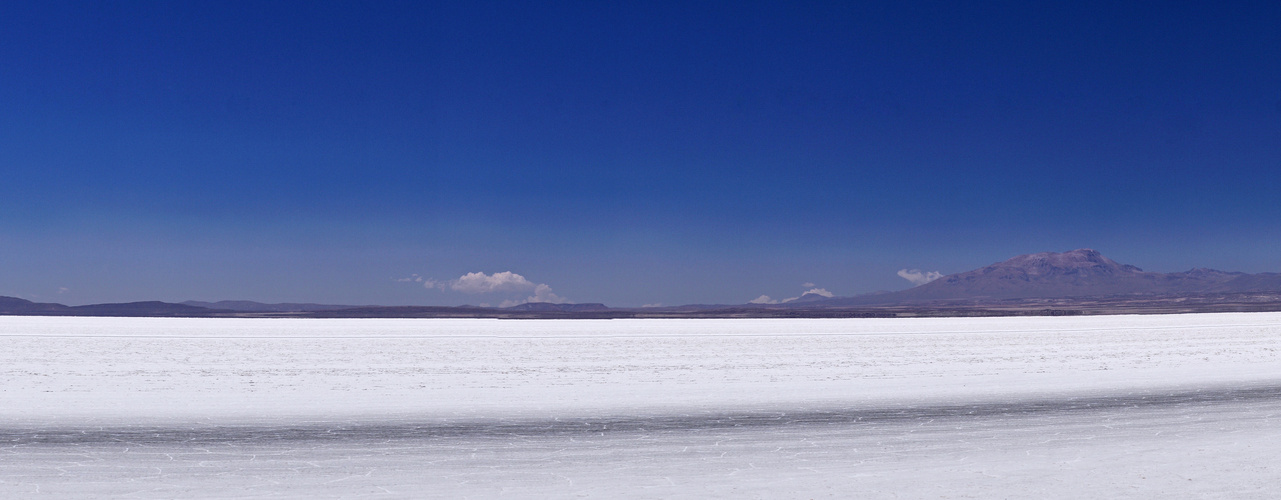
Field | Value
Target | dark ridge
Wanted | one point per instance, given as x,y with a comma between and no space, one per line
547,306
14,305
146,309
251,306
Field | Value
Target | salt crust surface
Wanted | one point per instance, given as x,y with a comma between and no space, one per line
1118,406
165,369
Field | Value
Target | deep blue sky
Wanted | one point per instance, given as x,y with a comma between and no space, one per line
667,153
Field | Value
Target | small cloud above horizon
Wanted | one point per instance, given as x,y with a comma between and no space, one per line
506,282
766,299
917,277
479,282
426,282
542,293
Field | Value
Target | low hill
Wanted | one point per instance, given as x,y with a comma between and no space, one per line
251,306
140,309
548,306
14,305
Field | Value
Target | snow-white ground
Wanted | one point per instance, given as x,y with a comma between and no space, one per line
1116,406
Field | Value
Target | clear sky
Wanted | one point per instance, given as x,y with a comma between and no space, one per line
626,153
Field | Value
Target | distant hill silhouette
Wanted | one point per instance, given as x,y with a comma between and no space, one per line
1078,273
548,306
14,306
148,308
251,306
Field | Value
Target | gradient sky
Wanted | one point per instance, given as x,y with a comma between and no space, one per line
653,152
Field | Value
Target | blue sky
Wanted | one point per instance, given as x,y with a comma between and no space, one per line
655,152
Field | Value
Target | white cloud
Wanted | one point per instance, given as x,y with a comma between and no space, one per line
656,304
808,284
542,293
763,299
505,281
917,277
426,282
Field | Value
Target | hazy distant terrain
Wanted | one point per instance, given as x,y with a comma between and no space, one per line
1074,274
1050,284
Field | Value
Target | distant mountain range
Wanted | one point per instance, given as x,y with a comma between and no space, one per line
1075,282
1079,273
15,306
